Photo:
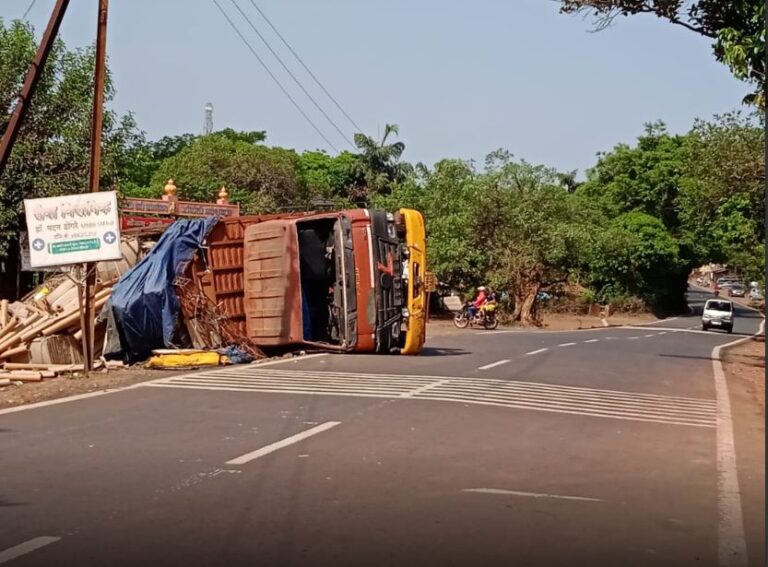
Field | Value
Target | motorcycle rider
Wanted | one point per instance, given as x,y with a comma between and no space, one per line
480,299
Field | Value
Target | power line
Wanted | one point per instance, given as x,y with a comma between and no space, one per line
29,9
274,78
290,73
299,59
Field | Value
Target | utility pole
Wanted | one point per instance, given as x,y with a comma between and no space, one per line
30,82
95,170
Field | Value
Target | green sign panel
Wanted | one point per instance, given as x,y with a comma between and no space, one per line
74,246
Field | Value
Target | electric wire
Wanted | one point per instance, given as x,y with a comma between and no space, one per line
290,73
274,78
306,68
29,9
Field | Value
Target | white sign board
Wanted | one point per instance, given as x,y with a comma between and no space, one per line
73,229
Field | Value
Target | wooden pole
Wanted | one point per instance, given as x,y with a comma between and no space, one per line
30,82
95,171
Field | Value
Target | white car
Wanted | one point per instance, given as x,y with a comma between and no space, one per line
718,313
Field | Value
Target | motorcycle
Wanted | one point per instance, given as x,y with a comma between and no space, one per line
485,317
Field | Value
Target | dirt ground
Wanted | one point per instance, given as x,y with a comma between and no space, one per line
73,384
745,363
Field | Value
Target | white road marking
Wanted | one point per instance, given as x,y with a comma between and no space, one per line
537,351
494,364
531,494
423,389
592,341
566,344
133,387
731,541
649,335
662,333
26,547
632,338
512,394
271,448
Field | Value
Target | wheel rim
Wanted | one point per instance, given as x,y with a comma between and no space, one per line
460,321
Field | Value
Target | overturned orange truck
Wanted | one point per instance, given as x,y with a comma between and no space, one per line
347,281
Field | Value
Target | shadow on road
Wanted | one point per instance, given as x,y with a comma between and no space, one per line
431,351
8,504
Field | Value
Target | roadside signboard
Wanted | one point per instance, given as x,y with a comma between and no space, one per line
73,229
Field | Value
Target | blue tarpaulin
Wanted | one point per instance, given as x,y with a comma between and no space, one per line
145,306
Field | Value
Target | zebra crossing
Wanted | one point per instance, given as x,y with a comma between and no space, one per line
602,403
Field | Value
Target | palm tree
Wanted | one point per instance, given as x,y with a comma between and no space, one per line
380,162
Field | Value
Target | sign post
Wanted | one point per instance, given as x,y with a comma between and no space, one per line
75,229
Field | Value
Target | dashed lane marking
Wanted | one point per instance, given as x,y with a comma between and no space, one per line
566,344
493,364
592,341
574,400
27,547
537,351
272,447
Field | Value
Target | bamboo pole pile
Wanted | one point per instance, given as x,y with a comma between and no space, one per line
42,314
55,309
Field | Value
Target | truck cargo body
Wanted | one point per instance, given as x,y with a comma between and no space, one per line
336,281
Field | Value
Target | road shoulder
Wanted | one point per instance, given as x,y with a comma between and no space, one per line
744,366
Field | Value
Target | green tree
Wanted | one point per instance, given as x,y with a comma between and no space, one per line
530,229
736,28
722,198
380,164
331,177
142,158
644,177
635,255
258,177
640,185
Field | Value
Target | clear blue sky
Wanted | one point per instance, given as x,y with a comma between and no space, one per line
461,78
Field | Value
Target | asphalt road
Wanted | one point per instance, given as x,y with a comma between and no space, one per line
595,447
